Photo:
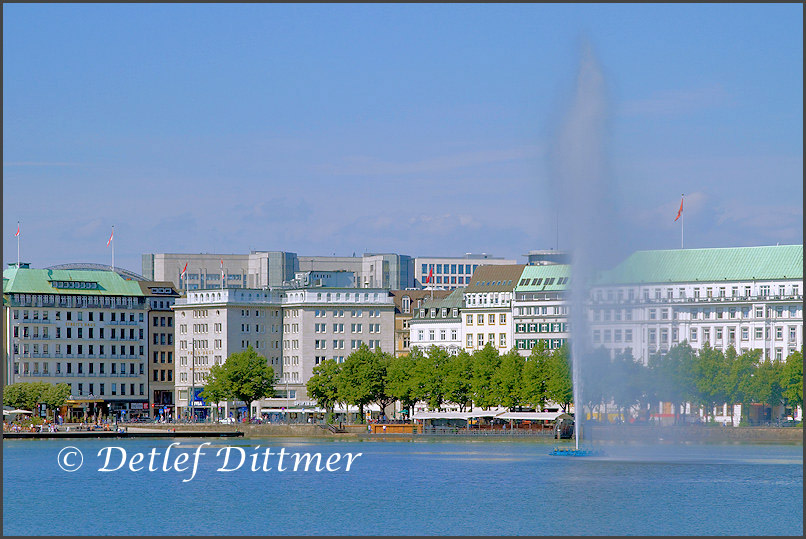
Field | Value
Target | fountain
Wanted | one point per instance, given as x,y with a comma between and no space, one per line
587,202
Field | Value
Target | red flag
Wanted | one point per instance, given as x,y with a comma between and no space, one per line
680,211
18,230
222,272
110,238
430,274
184,270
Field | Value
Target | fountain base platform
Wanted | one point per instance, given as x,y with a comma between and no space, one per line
563,452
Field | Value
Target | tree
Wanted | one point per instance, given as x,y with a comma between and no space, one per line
559,386
792,379
360,379
401,382
323,384
216,389
27,395
741,369
246,376
767,384
430,372
485,362
457,379
534,376
672,375
506,380
383,395
54,395
711,372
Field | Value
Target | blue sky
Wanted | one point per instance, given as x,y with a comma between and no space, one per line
419,129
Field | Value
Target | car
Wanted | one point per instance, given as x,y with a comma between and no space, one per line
229,420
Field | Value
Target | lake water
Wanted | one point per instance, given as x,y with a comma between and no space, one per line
423,487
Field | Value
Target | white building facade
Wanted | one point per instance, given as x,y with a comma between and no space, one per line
85,328
487,311
747,297
295,329
438,323
540,309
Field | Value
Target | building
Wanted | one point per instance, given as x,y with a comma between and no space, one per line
437,322
294,328
160,297
449,273
271,269
745,297
540,309
85,328
259,269
330,279
487,312
547,256
406,303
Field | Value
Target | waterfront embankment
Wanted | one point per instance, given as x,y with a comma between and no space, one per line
692,433
698,433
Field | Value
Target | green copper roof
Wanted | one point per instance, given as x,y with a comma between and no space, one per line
42,281
545,278
718,264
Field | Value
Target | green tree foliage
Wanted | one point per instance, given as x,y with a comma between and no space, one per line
360,379
323,384
559,386
430,372
767,382
27,395
484,364
457,379
383,396
672,375
792,379
401,379
740,377
534,377
216,389
244,376
712,373
506,380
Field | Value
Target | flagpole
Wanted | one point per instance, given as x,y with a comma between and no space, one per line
682,217
113,247
18,245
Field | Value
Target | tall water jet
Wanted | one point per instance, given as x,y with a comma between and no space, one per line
585,196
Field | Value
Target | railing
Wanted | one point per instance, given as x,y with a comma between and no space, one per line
464,431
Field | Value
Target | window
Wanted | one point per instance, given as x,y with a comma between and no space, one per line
469,319
469,340
502,318
502,339
693,336
480,319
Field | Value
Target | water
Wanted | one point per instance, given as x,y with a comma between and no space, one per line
432,487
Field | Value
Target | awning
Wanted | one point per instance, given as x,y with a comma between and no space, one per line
530,416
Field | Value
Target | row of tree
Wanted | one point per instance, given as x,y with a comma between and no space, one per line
484,378
707,378
28,395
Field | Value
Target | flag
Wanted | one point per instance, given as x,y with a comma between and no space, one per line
18,230
680,211
222,272
430,274
110,237
184,270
